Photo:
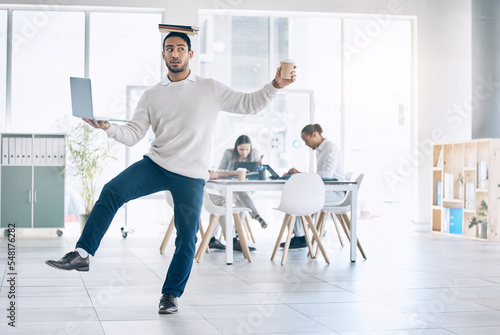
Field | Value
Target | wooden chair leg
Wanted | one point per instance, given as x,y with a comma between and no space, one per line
361,249
348,226
320,227
202,234
241,235
318,239
202,231
167,235
221,235
317,218
280,235
291,224
306,235
340,218
204,242
337,229
248,229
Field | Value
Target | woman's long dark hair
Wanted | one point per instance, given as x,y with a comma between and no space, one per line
243,139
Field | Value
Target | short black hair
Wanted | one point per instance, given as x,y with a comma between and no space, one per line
176,34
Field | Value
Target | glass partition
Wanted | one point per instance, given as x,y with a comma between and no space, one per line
275,132
378,109
48,47
3,69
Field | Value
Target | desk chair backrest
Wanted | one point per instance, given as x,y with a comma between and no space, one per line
303,194
210,207
348,197
214,209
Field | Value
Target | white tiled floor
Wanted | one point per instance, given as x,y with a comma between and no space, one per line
412,283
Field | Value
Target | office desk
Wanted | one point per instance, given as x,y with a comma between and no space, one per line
229,186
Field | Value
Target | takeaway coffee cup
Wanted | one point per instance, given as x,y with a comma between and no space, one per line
242,173
287,68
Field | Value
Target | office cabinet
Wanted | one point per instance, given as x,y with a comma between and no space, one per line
466,175
32,180
16,195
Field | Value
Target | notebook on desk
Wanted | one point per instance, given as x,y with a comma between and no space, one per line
81,100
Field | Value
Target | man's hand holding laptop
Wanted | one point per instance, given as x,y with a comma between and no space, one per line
97,124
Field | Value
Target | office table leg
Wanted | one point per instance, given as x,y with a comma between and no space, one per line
354,219
229,226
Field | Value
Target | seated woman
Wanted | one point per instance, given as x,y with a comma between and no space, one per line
242,152
329,165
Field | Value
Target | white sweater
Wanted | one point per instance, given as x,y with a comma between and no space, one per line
182,115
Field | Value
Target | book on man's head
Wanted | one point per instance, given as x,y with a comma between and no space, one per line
167,28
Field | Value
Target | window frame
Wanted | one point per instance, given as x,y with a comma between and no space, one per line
86,9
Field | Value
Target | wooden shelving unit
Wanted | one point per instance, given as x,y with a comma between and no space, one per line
458,175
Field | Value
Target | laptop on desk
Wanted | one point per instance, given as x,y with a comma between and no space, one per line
250,166
273,173
81,100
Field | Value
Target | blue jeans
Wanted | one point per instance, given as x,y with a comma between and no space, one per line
140,179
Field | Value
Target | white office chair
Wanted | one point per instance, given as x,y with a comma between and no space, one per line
341,212
302,195
171,226
324,215
215,213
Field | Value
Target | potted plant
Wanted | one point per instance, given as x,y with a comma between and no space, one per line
88,157
481,224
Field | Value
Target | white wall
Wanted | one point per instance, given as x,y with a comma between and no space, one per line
444,61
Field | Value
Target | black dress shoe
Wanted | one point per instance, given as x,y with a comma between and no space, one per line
168,304
71,261
216,244
296,243
237,247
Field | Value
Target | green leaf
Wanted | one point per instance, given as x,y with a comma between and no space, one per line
88,158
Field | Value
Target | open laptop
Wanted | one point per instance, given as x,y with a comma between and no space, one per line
250,166
273,173
81,100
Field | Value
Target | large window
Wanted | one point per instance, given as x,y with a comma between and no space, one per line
3,67
378,108
119,51
245,51
47,48
50,46
358,71
121,55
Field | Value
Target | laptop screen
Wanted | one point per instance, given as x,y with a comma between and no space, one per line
250,166
81,97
